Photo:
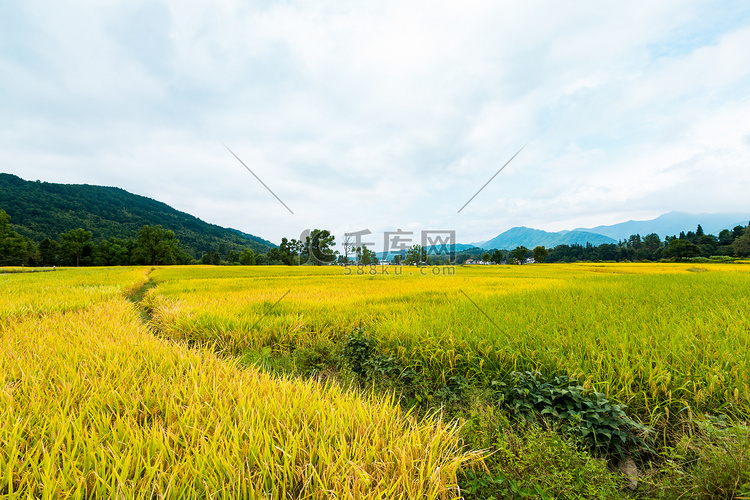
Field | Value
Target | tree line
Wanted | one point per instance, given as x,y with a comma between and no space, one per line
155,245
691,245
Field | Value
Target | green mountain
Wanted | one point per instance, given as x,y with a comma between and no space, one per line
41,210
530,238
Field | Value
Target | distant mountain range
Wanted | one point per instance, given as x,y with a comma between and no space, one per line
669,224
530,238
41,210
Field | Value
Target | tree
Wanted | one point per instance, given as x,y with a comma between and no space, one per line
4,224
682,249
73,243
288,251
634,241
540,253
233,257
49,252
247,257
156,246
15,250
741,245
118,252
365,255
486,257
318,244
726,237
211,258
652,241
348,244
415,255
520,254
605,251
497,257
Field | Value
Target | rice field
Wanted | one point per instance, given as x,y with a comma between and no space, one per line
93,405
97,403
656,337
39,292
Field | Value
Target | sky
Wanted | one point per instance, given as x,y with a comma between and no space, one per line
385,115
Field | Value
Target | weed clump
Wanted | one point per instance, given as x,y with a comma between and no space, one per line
589,416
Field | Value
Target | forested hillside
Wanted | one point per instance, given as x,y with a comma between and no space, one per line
40,210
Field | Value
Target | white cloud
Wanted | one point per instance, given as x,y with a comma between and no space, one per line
385,114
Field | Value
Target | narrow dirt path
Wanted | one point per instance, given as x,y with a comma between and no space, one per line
137,296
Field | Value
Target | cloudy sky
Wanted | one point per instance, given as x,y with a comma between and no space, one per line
388,114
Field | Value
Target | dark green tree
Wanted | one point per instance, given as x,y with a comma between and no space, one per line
520,254
682,249
539,253
73,243
366,256
288,251
49,252
15,250
726,237
212,258
318,245
497,257
247,257
741,245
4,224
156,246
114,252
634,241
652,241
273,257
